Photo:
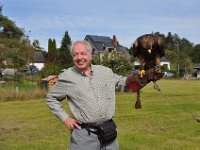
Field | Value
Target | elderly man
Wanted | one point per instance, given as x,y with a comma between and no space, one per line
90,91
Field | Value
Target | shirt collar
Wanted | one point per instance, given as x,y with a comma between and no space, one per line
82,73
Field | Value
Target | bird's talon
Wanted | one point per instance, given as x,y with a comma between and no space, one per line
141,73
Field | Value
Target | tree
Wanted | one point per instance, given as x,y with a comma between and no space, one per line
15,47
65,57
114,61
16,52
8,28
195,54
53,56
1,9
52,46
185,59
36,45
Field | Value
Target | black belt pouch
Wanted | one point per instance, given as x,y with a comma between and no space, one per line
107,132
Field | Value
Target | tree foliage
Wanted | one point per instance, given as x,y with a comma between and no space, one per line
65,57
8,28
53,55
15,47
36,45
114,61
178,52
195,54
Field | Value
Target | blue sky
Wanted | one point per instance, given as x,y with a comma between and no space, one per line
127,19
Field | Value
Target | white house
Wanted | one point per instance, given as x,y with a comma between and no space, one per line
163,62
38,60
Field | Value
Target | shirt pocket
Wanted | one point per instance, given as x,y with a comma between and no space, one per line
74,91
107,90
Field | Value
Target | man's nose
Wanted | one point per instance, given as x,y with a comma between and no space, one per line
80,56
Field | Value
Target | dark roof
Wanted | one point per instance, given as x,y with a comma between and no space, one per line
164,59
39,57
101,41
197,66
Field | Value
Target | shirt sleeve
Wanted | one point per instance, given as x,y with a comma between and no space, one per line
54,98
120,81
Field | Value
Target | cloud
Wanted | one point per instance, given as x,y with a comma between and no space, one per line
127,19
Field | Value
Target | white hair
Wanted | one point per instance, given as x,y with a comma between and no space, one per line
87,45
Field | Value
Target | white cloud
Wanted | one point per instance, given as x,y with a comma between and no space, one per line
126,18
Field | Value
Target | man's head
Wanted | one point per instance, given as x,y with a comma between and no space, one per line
81,53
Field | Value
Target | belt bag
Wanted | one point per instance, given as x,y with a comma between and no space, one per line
107,132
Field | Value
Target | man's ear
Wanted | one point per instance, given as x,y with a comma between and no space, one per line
90,56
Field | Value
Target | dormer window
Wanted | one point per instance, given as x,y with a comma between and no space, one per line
110,49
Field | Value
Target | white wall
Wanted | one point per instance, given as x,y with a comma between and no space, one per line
165,63
38,65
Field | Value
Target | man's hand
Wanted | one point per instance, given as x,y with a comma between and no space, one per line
72,123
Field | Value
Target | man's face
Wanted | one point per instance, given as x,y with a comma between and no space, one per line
81,56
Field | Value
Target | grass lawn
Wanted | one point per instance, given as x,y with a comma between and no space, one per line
165,122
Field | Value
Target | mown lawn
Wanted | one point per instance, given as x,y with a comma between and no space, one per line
165,122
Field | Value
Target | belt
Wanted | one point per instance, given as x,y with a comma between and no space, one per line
93,125
90,128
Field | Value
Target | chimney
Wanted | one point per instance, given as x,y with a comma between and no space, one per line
115,42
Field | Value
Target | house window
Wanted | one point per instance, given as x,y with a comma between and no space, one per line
93,51
110,49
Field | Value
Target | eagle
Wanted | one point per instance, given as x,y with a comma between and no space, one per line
149,49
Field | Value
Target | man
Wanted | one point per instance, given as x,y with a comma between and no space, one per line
90,90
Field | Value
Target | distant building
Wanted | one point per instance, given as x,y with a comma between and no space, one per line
198,70
163,62
38,60
101,44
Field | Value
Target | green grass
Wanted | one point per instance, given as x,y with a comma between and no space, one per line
22,85
22,90
165,122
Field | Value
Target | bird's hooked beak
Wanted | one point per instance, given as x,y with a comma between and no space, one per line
149,50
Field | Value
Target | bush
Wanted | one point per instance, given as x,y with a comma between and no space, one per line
23,90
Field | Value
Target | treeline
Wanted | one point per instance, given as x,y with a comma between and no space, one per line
182,54
58,59
17,51
15,47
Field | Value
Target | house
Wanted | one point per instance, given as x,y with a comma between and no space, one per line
198,70
163,62
38,60
102,44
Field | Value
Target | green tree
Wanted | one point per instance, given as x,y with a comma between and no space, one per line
114,61
15,47
195,54
64,51
1,9
52,46
36,45
186,65
53,55
8,28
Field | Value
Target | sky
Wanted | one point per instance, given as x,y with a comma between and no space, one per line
127,19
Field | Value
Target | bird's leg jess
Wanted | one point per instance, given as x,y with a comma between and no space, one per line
138,102
142,71
157,58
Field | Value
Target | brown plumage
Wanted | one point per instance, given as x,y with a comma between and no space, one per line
149,49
